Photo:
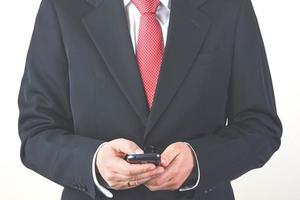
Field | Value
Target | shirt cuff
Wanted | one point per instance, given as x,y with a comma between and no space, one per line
186,188
101,188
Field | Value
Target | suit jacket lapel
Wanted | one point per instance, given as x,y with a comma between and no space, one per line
108,28
187,29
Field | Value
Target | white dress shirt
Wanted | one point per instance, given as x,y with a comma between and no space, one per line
133,19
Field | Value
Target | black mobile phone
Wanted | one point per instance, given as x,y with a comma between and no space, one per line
143,158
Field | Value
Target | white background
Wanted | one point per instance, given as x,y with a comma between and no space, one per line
279,179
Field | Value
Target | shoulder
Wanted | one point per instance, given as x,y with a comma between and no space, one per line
67,9
220,5
69,5
221,10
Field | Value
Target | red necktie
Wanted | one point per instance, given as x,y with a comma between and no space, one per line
149,46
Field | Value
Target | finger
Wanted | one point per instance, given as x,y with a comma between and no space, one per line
137,169
142,180
169,154
132,183
157,171
173,184
146,175
160,179
120,166
145,179
124,185
126,146
118,181
150,174
164,186
170,172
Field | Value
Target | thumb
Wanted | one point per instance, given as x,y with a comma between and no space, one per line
168,155
127,147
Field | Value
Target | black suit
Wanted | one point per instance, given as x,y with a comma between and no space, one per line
81,86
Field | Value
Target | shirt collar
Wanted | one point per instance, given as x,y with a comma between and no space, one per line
126,2
166,3
163,17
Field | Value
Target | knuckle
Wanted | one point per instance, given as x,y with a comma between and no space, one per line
175,145
172,148
182,145
119,140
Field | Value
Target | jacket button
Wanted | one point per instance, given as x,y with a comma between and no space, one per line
82,188
74,185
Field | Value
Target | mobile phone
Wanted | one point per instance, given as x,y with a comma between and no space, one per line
143,158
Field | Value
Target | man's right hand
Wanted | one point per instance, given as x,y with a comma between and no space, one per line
118,173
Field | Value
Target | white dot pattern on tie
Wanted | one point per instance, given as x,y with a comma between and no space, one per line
150,46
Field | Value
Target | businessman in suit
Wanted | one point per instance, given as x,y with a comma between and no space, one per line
187,79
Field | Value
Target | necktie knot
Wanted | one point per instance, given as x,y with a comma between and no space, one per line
146,6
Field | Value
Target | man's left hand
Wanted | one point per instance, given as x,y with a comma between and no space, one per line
178,161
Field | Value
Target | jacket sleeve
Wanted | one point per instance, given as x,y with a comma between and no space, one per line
48,143
193,179
98,179
253,132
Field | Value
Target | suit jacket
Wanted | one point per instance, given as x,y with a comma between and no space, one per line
81,86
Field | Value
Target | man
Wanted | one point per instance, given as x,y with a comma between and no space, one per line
187,79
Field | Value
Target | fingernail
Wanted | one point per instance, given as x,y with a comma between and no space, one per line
163,162
139,151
